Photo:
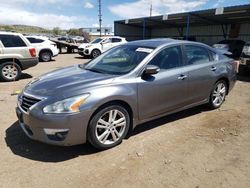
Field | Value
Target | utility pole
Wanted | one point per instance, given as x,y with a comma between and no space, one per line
100,16
151,9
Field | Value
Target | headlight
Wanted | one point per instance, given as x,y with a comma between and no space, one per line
88,46
70,105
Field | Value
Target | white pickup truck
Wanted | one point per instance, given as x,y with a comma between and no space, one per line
100,45
16,54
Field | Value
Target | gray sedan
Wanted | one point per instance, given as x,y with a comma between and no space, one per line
130,84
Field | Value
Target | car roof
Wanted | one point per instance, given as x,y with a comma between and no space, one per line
154,43
9,33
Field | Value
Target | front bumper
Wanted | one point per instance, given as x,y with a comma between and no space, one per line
55,129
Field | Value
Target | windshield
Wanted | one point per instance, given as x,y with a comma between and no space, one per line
96,41
119,60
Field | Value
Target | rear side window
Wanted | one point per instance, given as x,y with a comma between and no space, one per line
12,41
196,54
168,58
116,40
34,40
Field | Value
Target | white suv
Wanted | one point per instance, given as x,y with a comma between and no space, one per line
46,49
99,45
16,54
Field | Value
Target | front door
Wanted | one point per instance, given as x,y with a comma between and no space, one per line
167,90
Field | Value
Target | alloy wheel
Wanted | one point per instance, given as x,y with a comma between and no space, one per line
10,72
219,94
110,127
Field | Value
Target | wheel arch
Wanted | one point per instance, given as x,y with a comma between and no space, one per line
11,60
115,102
44,50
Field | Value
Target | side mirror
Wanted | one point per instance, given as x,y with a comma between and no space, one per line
151,69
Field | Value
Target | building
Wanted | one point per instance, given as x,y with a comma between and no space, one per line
207,26
94,32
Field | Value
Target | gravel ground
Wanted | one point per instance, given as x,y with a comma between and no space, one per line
194,148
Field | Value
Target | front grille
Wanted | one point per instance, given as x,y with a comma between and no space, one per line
80,49
28,102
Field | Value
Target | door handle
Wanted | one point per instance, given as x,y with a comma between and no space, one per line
213,68
182,77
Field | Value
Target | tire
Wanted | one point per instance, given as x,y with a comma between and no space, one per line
45,56
95,53
10,71
103,132
218,94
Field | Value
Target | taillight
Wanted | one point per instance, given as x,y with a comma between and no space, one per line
32,52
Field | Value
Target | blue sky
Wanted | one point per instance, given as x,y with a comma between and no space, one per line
83,13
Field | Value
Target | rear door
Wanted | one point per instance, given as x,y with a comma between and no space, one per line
116,41
14,45
202,72
167,90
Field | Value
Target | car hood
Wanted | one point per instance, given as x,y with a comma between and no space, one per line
72,80
83,45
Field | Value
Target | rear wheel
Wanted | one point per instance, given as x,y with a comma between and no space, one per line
45,56
10,71
218,94
95,53
108,127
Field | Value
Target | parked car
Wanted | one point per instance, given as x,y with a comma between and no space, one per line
245,59
99,45
130,84
16,54
233,46
46,49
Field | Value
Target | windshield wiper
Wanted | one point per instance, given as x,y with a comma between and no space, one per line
95,70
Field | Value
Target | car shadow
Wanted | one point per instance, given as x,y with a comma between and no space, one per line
21,145
82,57
25,76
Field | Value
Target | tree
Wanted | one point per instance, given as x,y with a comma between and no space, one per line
56,31
85,35
74,32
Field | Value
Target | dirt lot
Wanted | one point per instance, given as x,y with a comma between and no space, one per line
194,148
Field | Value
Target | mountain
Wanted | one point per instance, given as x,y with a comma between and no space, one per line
24,29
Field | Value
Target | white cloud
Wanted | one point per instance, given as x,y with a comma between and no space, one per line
24,17
88,5
95,25
141,8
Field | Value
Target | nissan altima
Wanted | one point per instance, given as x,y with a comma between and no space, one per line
99,102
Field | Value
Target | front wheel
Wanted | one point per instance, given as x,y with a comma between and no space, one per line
95,53
10,71
218,94
108,127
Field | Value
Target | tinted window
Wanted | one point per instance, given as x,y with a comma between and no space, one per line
96,41
12,41
34,40
116,40
168,58
196,54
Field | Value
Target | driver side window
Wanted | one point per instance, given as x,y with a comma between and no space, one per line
168,58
